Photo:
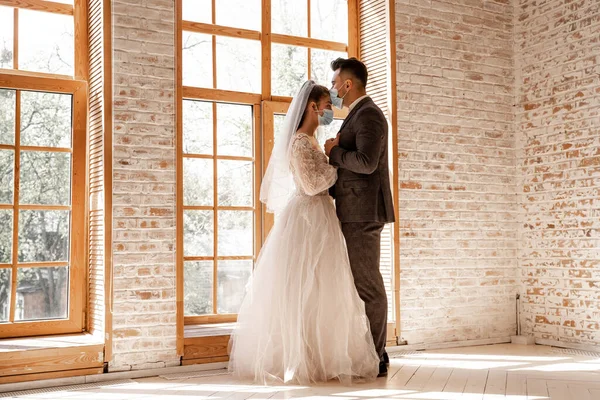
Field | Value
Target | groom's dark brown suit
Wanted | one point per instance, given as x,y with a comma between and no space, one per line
364,205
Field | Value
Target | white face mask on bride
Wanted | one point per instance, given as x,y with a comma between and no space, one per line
326,118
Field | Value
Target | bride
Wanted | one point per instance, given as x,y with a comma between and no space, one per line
302,320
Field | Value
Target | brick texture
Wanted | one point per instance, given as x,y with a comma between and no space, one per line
499,173
144,186
558,124
457,164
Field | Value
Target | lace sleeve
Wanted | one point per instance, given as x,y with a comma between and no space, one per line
313,172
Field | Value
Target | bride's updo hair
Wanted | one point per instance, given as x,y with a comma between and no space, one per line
317,93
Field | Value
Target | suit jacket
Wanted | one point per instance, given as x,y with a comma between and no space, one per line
362,191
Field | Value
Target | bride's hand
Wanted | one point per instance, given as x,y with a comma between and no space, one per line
331,143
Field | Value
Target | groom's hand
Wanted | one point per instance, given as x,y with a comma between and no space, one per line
331,143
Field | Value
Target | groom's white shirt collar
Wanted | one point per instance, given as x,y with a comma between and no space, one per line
357,101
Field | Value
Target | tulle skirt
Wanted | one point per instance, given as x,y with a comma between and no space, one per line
302,320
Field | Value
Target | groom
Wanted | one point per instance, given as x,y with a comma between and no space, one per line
362,192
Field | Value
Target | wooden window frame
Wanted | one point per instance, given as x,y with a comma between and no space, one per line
41,5
266,37
259,102
77,237
215,98
77,87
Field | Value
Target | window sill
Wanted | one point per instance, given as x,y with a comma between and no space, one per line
207,330
46,357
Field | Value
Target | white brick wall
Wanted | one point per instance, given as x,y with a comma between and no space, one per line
488,193
558,125
144,303
458,214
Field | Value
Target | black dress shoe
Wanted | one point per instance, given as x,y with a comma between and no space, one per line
386,359
383,370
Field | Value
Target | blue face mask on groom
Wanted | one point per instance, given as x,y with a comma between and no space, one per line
338,102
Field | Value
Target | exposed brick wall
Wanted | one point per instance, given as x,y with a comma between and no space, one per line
558,126
494,199
144,303
458,208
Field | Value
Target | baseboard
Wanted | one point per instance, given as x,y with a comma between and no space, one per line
448,345
109,376
565,345
44,376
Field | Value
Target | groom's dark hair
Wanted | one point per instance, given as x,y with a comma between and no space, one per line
353,67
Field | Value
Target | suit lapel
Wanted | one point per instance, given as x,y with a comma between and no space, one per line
354,110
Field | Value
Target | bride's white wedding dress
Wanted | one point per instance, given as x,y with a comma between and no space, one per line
302,320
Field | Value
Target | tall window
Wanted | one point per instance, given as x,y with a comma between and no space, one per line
42,169
219,213
238,58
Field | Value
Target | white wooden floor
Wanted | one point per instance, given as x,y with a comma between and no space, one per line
510,372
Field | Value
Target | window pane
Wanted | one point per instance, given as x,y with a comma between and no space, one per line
196,60
238,65
43,235
45,178
329,20
6,234
45,119
234,130
8,102
289,17
6,37
5,289
42,293
232,278
236,233
289,69
197,11
197,127
278,120
198,233
6,176
320,65
50,50
197,287
329,131
239,13
198,182
235,183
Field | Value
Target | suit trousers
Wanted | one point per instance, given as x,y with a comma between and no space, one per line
363,240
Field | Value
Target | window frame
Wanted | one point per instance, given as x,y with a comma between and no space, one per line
215,208
77,238
77,86
257,100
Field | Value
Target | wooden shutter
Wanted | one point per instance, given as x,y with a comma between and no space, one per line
96,216
374,49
